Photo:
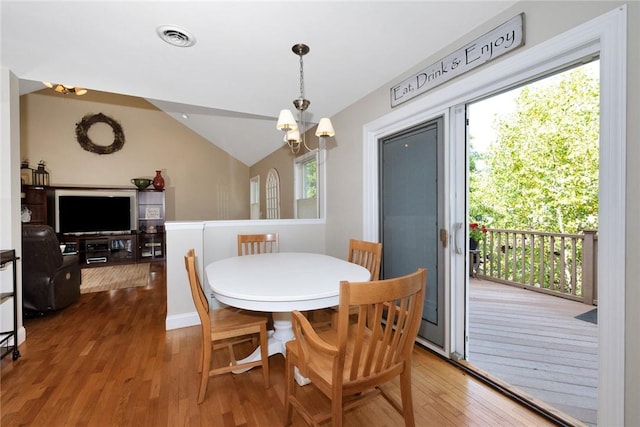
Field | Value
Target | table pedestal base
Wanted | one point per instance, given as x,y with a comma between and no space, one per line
276,343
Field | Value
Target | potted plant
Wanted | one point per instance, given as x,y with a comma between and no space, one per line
476,233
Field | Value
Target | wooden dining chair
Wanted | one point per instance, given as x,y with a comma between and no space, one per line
224,328
365,254
350,363
250,244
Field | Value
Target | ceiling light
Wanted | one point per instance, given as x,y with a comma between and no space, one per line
65,89
175,36
294,132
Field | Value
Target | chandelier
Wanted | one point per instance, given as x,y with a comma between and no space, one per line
65,89
294,131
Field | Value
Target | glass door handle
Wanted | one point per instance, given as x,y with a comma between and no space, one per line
457,230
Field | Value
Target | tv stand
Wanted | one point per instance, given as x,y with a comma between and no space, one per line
103,249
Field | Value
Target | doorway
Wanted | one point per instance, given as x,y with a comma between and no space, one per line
411,212
533,160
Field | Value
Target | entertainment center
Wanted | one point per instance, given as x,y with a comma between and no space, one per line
102,225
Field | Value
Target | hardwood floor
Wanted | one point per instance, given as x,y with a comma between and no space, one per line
107,360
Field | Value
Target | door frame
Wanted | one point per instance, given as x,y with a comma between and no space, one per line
606,34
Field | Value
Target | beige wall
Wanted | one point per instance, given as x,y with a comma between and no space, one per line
202,182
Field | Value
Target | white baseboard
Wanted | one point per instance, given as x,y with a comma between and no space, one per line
181,321
22,335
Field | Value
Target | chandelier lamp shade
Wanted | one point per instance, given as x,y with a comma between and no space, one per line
65,89
293,129
325,128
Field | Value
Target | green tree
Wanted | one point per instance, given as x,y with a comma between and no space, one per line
542,170
310,178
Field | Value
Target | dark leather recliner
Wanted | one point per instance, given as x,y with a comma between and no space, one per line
50,281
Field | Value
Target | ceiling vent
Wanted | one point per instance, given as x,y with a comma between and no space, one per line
175,36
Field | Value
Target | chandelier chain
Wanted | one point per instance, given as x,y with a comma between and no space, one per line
302,105
301,79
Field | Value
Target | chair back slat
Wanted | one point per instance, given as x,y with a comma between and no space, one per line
389,314
251,244
367,255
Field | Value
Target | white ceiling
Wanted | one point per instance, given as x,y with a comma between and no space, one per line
241,72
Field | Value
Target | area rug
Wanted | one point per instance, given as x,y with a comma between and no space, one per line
590,316
108,278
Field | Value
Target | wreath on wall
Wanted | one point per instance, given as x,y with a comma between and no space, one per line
89,120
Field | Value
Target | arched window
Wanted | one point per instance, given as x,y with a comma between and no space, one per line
273,195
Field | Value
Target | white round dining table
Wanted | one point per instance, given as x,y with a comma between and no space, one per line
281,283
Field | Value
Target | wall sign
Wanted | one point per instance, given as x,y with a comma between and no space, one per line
487,47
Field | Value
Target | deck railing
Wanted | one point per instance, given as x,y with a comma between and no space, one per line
560,264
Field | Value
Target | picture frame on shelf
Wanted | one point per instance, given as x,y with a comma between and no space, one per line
152,212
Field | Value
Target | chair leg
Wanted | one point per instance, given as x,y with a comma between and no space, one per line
336,406
201,365
264,354
288,390
206,366
407,400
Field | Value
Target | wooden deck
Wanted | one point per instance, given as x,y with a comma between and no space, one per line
534,342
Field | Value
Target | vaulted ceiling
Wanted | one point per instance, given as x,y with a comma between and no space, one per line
241,71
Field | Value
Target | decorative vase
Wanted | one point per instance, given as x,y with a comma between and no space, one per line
158,181
473,245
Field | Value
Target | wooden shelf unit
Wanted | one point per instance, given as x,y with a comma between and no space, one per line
40,201
151,238
9,256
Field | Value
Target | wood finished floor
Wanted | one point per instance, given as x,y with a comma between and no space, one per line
107,361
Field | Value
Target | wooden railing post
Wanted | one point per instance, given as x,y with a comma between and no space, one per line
589,265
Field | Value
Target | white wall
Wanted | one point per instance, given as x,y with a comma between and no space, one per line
10,195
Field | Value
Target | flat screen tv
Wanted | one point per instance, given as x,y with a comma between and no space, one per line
95,211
